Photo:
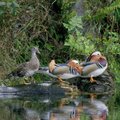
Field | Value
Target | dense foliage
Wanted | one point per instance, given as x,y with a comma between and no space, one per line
97,29
58,31
25,24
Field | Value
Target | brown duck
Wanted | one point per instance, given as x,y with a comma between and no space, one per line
28,68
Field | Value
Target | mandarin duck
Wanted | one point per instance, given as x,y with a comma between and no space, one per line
61,71
28,68
94,66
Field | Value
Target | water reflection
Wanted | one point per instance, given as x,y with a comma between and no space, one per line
55,108
93,109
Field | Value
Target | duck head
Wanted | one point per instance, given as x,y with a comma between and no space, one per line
95,56
35,50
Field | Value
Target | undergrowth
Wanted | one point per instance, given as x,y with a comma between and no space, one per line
25,24
59,33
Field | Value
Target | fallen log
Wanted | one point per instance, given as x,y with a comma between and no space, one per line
104,84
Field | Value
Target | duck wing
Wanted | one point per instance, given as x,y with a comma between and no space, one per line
20,71
87,63
89,67
61,69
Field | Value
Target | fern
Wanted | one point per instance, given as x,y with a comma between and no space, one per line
100,13
76,40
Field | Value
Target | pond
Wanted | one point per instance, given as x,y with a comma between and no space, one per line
22,104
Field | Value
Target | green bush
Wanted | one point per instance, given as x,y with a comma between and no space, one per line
99,30
59,33
76,40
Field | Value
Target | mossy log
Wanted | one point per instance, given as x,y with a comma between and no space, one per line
104,84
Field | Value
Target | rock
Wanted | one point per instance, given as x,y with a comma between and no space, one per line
104,84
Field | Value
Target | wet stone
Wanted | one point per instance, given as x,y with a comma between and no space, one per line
104,84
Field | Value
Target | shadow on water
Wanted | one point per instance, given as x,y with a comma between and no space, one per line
19,103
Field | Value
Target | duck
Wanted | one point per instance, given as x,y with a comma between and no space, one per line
61,71
29,68
94,66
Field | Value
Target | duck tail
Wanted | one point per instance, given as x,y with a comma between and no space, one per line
15,74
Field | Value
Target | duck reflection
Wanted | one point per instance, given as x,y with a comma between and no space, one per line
64,109
94,110
74,109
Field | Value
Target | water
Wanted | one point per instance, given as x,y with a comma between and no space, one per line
32,106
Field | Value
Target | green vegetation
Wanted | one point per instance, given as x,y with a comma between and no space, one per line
25,24
113,105
59,33
99,30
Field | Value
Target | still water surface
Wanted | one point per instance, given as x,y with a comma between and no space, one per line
58,107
